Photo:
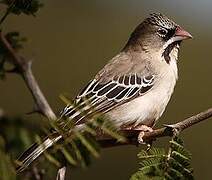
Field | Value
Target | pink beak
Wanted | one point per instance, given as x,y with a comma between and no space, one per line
180,32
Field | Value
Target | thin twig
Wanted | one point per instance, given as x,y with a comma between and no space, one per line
61,173
24,68
162,132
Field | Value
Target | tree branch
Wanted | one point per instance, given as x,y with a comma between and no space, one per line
24,68
162,132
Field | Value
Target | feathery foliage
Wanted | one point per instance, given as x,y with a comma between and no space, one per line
16,134
79,142
158,164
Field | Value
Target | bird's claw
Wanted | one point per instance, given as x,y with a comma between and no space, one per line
142,129
140,138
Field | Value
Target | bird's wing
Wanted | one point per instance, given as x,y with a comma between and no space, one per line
124,78
100,97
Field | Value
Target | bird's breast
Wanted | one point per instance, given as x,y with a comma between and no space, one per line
148,108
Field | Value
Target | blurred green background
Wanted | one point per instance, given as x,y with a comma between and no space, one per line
69,41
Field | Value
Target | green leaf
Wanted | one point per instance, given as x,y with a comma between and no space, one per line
66,100
78,154
180,148
108,128
68,156
52,159
152,153
87,144
159,164
90,130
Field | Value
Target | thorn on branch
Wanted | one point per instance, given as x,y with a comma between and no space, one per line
34,111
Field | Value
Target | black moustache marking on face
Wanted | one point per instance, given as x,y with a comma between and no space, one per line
170,34
166,53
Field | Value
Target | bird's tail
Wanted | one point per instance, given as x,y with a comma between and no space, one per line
36,149
34,152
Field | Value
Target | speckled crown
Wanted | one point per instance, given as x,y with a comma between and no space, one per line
161,20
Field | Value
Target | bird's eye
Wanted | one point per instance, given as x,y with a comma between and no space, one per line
162,32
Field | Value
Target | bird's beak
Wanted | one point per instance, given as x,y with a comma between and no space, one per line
181,34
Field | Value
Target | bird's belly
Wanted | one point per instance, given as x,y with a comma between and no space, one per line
145,109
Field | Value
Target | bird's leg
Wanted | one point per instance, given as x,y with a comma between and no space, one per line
142,128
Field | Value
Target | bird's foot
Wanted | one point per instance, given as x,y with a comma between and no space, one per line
142,129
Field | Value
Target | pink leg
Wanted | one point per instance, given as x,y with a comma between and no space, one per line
142,129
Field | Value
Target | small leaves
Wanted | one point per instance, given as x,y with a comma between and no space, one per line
28,7
79,141
157,164
68,156
18,135
152,153
108,128
16,42
87,144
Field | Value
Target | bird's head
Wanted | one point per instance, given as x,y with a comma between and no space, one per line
157,33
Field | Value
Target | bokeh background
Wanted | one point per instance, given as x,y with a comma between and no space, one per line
70,40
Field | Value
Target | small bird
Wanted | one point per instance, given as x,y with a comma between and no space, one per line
133,88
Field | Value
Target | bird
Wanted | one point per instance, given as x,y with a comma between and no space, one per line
134,87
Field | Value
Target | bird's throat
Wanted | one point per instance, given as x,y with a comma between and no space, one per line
171,51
